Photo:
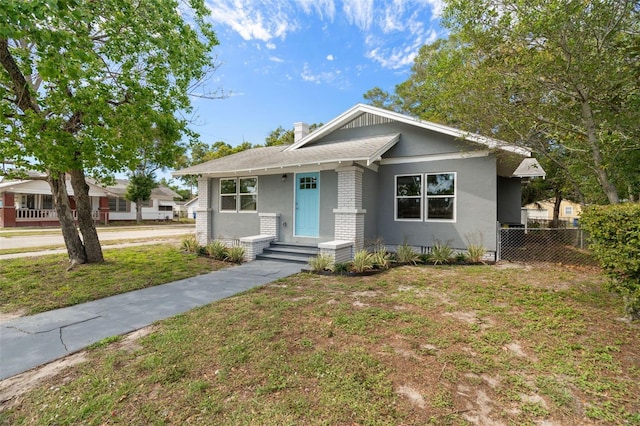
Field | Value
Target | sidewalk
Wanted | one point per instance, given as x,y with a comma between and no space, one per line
31,341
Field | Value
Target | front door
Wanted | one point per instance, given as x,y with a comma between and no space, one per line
307,204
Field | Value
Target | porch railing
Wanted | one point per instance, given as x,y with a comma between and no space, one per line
35,215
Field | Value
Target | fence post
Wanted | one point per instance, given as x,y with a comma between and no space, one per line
498,241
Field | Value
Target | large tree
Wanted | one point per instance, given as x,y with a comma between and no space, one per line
82,83
559,76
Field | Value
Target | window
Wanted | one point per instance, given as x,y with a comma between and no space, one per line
441,196
438,200
165,208
248,194
146,203
308,182
239,194
409,197
47,202
568,210
119,205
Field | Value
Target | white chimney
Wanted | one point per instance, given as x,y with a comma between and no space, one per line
300,130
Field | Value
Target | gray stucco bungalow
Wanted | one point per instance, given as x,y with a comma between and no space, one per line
369,174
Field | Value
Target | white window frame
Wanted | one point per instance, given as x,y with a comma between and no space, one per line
454,196
568,210
424,197
396,197
119,208
238,195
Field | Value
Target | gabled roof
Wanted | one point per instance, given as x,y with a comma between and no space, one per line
361,109
120,188
95,189
366,149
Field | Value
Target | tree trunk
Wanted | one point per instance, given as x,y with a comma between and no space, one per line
138,211
556,210
75,248
85,217
601,173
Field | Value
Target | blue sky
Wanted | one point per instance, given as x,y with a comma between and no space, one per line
306,60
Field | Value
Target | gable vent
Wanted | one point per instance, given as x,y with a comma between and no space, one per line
366,119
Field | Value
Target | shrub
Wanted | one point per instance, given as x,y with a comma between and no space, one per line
216,249
615,241
235,254
381,258
321,262
405,254
441,253
362,261
475,249
190,244
341,267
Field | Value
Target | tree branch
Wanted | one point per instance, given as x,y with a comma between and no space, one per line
24,98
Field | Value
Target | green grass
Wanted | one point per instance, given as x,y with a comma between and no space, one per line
38,284
497,345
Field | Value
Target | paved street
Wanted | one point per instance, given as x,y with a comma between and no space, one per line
46,237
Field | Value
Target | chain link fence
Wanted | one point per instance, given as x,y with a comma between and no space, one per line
567,246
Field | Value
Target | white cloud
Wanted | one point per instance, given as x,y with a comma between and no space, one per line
330,58
276,59
403,27
323,77
270,46
436,8
359,12
263,20
324,8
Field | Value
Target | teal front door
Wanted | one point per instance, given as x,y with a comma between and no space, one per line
307,204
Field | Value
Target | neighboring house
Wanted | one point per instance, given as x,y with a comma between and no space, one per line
369,174
29,203
190,207
542,211
159,207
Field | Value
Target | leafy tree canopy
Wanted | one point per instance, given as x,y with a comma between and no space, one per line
87,86
561,77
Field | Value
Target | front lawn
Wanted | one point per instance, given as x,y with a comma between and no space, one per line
37,284
504,344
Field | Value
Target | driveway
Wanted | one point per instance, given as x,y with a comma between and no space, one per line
51,237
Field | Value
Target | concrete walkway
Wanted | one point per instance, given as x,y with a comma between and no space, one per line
35,340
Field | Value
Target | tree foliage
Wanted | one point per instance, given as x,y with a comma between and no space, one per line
139,189
85,84
614,234
559,76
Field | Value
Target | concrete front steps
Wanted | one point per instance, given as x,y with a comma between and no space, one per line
290,252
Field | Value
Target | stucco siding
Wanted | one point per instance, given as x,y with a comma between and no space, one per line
509,200
475,205
369,203
275,195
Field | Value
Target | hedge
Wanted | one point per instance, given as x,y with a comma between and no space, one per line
615,241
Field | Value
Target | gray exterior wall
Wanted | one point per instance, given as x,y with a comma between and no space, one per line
370,187
509,200
476,210
275,196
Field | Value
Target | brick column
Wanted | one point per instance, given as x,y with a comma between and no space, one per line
349,216
103,210
204,214
270,224
8,210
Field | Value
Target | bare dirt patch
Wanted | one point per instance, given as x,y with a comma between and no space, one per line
8,316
